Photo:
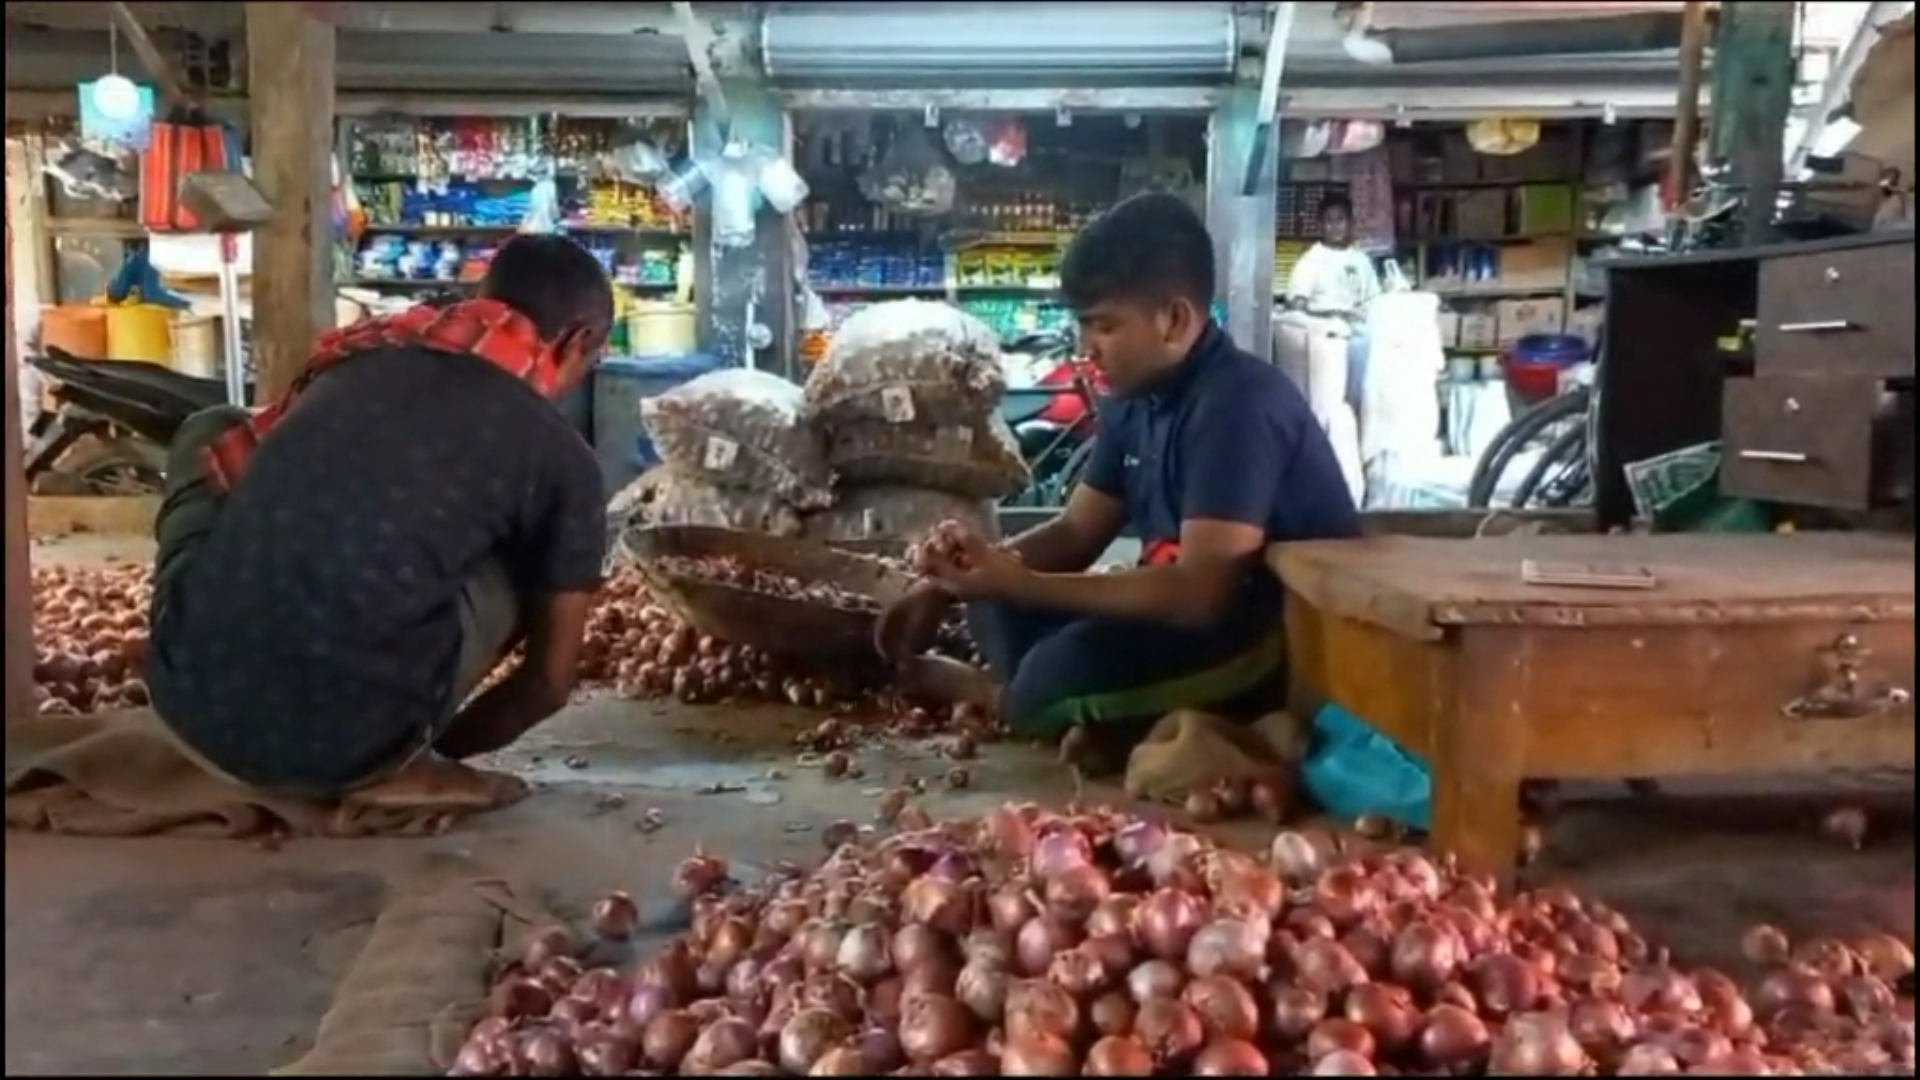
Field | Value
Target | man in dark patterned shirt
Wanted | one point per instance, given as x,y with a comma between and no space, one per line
338,572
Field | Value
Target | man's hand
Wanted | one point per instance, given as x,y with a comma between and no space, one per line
908,625
969,566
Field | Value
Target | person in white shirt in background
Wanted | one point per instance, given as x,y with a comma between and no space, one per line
1338,280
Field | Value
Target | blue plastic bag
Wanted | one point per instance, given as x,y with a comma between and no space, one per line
1353,770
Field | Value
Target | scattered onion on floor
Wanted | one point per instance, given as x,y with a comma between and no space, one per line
1029,943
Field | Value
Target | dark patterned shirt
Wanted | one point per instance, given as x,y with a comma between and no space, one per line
316,632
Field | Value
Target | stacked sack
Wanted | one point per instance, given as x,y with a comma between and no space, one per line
906,402
738,453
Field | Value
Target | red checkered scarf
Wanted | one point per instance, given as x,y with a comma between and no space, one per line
487,329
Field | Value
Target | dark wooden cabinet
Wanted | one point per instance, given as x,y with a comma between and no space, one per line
1819,414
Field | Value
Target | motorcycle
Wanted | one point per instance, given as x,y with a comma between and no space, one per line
1054,419
127,412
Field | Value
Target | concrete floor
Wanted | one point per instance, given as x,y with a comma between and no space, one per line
162,957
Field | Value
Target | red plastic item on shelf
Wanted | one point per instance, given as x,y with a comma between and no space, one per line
1532,382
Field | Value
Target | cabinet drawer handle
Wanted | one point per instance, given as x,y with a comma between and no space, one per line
1843,692
1783,457
1821,326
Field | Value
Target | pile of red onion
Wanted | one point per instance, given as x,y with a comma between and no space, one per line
1028,943
90,638
90,644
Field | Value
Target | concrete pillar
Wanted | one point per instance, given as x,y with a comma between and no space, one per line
740,288
1242,225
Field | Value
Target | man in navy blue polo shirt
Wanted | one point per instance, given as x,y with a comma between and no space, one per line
1207,454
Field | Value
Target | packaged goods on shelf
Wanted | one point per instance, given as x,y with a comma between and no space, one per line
1014,316
896,515
1007,267
855,265
742,429
978,461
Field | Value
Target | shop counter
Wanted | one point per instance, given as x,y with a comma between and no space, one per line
1605,657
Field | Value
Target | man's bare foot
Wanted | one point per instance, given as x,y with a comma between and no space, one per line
938,678
434,784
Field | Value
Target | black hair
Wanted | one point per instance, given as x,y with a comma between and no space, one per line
551,280
1150,247
1336,201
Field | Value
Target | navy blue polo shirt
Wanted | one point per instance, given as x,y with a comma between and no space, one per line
1225,436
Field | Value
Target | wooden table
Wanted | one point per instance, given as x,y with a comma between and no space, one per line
1770,653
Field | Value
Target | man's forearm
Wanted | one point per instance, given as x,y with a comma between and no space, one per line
1053,547
500,716
1168,594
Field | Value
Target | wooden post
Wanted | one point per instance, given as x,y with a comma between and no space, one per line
19,657
1686,121
290,57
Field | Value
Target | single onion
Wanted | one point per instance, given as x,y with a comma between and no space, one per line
1425,955
1119,1055
1230,1057
1229,947
1295,858
983,989
1171,1030
1036,1007
1294,1012
1451,1037
1766,945
1647,1059
1505,984
1165,923
1338,1033
1038,1055
1386,1012
1536,1044
1136,842
807,1037
1326,967
1343,1063
1791,988
1155,979
1057,852
615,917
865,954
932,1027
1225,1008
665,1040
1112,1014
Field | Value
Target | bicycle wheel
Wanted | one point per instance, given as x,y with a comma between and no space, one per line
1519,433
1076,464
1568,451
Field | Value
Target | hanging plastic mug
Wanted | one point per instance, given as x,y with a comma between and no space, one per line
684,186
780,184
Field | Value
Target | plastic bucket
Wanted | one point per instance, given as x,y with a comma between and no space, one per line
79,329
140,332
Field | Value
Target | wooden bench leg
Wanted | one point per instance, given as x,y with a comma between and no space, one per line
1478,754
1476,816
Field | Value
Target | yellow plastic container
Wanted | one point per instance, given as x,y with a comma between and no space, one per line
661,328
140,332
80,329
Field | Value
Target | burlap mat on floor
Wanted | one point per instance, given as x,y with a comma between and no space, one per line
421,980
1189,749
121,774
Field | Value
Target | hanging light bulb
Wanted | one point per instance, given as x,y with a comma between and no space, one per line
116,97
